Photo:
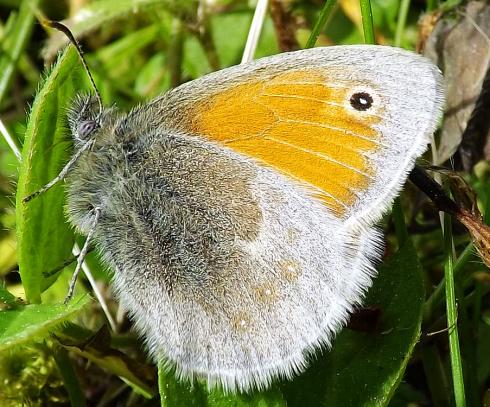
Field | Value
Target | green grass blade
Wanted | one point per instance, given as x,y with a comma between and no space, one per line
367,22
436,298
401,22
452,316
70,379
96,347
14,44
325,13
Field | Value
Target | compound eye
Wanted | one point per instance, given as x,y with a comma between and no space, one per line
86,128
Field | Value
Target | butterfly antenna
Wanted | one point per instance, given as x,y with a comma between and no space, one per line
65,30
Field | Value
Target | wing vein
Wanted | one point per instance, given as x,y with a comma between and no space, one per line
341,130
323,84
324,156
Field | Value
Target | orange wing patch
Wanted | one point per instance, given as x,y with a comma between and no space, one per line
299,124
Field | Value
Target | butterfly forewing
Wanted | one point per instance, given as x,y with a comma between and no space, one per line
325,117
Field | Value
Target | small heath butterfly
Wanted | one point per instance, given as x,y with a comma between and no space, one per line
237,211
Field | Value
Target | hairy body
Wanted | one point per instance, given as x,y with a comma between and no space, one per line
237,211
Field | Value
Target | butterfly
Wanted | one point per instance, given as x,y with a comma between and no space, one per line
238,211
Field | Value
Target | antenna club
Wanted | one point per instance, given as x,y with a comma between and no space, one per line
65,30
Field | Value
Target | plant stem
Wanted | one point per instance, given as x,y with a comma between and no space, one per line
436,297
452,316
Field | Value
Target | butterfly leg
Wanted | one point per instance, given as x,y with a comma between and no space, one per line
63,173
83,253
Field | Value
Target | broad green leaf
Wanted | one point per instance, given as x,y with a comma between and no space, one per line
26,323
44,238
364,369
175,394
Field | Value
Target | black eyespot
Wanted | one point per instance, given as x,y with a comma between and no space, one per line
361,101
86,128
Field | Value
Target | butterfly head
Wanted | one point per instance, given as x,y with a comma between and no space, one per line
87,120
84,118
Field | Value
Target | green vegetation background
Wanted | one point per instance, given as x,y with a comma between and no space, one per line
136,50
